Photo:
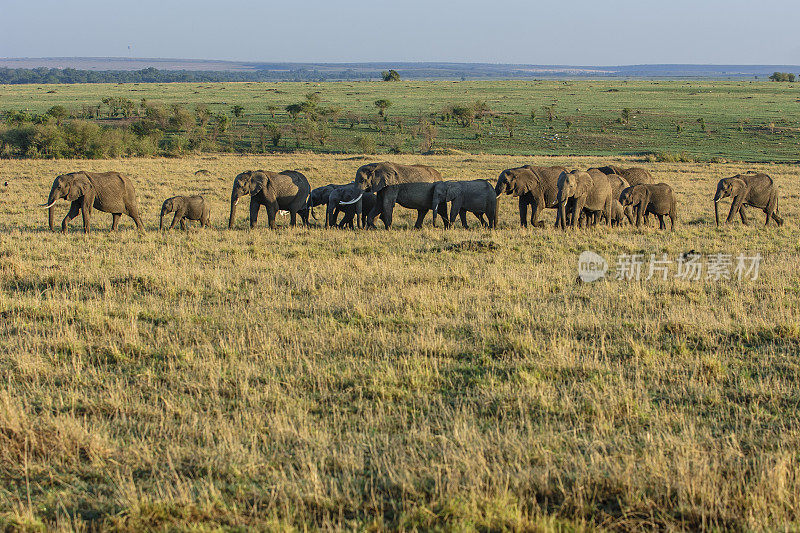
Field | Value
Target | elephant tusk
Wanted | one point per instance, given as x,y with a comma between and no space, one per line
352,201
43,206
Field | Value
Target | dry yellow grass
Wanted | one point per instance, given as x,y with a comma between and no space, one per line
337,379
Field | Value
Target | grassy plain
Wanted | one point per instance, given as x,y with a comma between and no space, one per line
462,380
751,120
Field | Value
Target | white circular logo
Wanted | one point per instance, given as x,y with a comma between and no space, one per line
591,266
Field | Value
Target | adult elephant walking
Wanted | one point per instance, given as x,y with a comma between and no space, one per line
755,189
110,192
583,190
287,190
633,175
404,184
535,186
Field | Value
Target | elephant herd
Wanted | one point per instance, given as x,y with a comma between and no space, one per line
606,195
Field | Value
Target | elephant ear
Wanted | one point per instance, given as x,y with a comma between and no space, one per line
453,190
585,184
383,177
523,181
256,182
79,185
738,185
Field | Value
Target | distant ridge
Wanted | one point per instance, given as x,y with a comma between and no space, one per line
408,70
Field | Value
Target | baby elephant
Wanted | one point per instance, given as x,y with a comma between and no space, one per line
658,199
476,196
185,208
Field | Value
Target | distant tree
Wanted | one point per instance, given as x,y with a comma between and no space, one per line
702,124
275,133
203,114
272,108
390,75
294,110
237,111
365,144
464,115
382,106
625,115
58,112
509,123
782,76
550,112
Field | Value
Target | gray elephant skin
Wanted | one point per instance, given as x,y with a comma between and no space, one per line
583,190
353,202
633,175
535,186
109,192
647,198
754,189
475,196
407,185
185,208
288,191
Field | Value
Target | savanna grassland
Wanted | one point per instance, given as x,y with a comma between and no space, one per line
461,380
750,120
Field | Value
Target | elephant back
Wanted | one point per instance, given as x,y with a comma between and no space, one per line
547,178
637,175
410,173
758,182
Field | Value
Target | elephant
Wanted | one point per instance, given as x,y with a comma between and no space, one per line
658,199
633,175
347,198
320,196
110,192
755,189
618,184
476,196
407,185
288,191
185,208
535,186
583,190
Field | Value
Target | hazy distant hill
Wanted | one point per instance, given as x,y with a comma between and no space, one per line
256,71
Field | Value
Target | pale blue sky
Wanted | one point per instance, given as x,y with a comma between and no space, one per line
578,32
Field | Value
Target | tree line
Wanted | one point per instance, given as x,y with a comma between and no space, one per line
43,75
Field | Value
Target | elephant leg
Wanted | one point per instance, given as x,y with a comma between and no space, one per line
523,212
387,207
537,205
577,210
442,210
421,216
374,212
482,220
735,208
177,218
254,208
661,223
293,218
743,215
463,215
86,209
115,220
74,209
272,212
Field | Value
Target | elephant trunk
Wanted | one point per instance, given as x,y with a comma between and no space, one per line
51,210
716,211
161,221
435,211
234,201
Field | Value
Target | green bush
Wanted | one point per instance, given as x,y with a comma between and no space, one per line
365,144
